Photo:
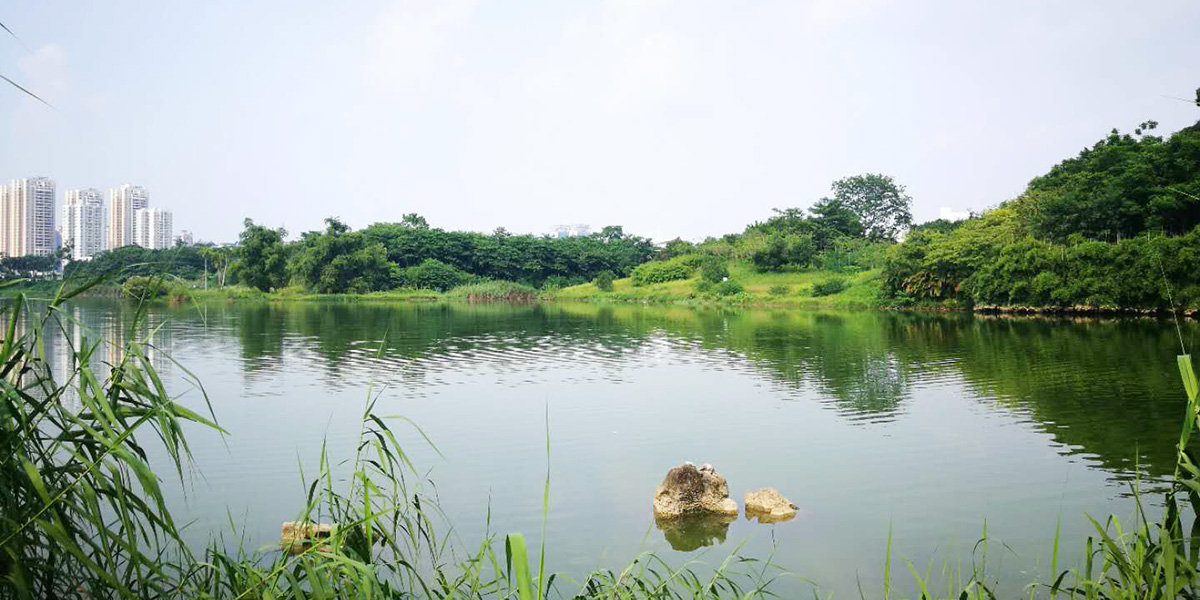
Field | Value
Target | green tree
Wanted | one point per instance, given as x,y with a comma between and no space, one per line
261,257
433,274
831,219
713,269
882,206
604,281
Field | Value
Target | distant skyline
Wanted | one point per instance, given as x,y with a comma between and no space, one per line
670,118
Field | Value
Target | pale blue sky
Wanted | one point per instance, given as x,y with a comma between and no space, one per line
672,117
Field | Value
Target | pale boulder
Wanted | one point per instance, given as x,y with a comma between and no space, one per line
297,536
687,490
769,506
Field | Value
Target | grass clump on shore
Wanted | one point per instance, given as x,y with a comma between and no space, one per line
493,291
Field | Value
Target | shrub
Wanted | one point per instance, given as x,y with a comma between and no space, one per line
604,281
140,287
797,249
433,274
829,286
557,282
727,288
661,271
712,269
778,290
493,291
704,286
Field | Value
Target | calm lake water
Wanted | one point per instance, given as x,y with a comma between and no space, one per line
931,424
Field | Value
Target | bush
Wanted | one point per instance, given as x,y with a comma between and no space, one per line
797,250
433,274
727,288
661,271
704,286
140,287
604,281
778,290
494,291
829,286
558,282
712,269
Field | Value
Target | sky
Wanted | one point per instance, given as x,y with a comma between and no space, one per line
684,118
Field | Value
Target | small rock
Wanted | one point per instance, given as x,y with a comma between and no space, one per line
769,506
297,536
687,490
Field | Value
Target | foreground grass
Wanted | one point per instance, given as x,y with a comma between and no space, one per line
759,289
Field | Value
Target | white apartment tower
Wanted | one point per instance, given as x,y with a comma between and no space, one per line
83,222
27,217
122,202
152,228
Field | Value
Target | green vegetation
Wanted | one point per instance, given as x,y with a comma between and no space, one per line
662,271
433,274
829,287
491,291
863,289
1117,227
604,281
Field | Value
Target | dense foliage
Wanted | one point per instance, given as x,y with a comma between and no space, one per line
662,271
187,262
1115,227
262,258
27,266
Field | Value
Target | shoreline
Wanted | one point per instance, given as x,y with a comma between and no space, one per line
231,294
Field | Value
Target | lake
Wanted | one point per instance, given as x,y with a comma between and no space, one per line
928,424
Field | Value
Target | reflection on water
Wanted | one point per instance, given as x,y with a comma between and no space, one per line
928,422
692,532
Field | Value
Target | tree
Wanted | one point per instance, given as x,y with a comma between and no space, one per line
831,219
433,274
414,221
261,257
882,206
604,281
713,270
611,233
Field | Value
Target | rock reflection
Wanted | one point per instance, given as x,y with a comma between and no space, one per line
693,532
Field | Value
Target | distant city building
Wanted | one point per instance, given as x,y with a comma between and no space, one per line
184,237
122,202
27,217
152,228
83,222
566,231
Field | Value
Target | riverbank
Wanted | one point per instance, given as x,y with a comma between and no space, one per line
790,289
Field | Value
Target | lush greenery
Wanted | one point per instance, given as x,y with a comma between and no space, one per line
661,271
1116,227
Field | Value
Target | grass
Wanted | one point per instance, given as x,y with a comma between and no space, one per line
791,289
83,512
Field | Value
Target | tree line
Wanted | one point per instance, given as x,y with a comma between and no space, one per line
1117,226
385,256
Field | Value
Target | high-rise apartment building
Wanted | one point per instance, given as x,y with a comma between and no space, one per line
27,217
185,238
122,201
83,222
152,228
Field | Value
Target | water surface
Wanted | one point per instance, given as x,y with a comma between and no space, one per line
929,424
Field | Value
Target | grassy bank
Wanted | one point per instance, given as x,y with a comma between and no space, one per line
789,289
